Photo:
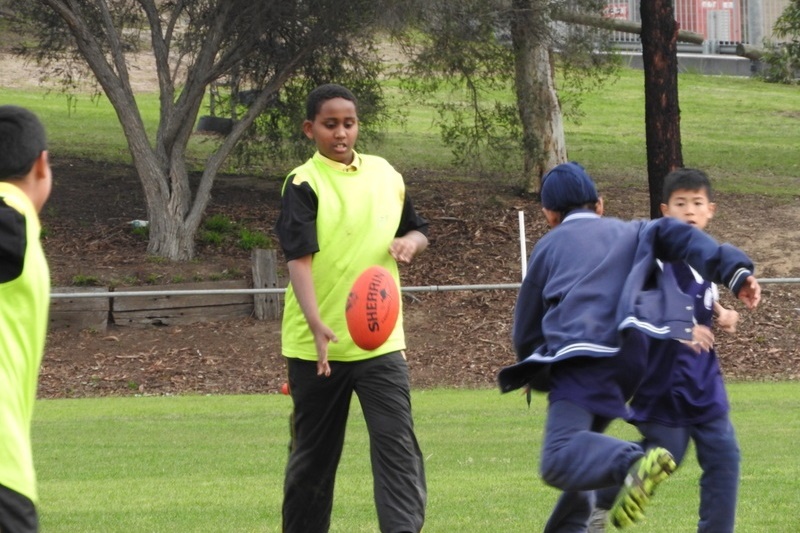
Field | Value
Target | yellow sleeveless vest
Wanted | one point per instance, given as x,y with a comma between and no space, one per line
24,307
357,218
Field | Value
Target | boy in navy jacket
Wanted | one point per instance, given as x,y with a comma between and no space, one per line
683,394
591,301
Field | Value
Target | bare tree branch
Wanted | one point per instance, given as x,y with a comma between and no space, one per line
625,26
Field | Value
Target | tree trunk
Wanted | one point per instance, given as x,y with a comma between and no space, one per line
164,179
171,232
662,114
174,210
539,109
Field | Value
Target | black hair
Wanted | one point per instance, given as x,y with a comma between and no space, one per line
688,179
564,212
22,140
322,94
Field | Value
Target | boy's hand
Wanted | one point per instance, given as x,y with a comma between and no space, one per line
702,339
407,247
750,292
727,319
322,336
403,249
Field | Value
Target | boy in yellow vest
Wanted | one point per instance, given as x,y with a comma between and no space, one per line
342,212
25,184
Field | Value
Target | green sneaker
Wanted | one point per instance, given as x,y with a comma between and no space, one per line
640,483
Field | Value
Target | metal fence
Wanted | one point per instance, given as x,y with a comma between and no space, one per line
420,288
723,23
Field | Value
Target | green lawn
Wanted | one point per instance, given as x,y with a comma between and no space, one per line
215,463
739,130
742,131
184,464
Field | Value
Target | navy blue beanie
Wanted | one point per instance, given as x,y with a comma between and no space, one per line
567,185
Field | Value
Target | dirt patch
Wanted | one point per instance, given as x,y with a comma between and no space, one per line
455,338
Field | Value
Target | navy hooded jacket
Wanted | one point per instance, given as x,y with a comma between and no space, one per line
592,277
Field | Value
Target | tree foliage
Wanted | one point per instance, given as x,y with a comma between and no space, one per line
275,135
266,46
460,60
463,61
782,59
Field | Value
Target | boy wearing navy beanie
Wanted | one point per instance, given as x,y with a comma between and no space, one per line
590,302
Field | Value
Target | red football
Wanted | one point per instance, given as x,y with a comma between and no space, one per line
372,308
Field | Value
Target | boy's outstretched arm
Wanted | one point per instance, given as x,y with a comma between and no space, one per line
721,263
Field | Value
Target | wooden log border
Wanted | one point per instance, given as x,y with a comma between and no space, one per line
133,311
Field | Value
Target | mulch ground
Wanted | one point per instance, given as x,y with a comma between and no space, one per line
455,338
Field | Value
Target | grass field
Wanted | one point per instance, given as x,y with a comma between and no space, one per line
215,463
744,132
185,464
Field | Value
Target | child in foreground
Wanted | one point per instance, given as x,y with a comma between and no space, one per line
342,212
589,304
25,184
683,396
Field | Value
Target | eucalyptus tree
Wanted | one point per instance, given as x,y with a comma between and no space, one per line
479,49
195,43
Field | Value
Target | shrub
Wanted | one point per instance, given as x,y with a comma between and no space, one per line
79,280
211,237
782,61
219,223
248,239
141,231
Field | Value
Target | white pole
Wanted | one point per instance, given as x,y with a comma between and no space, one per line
523,252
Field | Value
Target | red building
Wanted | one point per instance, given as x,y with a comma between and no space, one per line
716,20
